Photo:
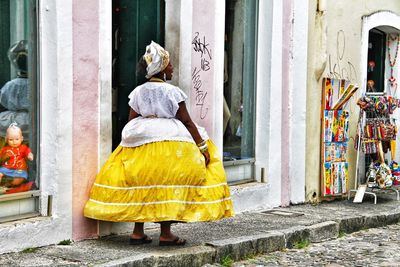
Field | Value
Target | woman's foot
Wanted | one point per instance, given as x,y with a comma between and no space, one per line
171,240
167,238
136,239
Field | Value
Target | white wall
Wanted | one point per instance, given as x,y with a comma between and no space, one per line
105,83
298,102
269,98
105,68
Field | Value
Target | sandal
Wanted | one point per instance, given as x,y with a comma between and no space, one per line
176,242
139,241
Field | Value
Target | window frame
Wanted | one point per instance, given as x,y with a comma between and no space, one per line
243,170
26,204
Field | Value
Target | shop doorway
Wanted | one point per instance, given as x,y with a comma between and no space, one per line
383,43
135,24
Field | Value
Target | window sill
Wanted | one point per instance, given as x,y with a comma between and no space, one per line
238,162
12,219
22,195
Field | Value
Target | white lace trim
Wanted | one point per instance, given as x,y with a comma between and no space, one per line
155,139
140,131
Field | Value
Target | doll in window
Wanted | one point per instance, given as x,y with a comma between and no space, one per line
14,156
371,86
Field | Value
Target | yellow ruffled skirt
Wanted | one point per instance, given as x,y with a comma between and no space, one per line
160,181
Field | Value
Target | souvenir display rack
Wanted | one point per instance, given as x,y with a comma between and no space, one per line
377,131
334,136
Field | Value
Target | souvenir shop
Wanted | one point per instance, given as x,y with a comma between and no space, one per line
374,141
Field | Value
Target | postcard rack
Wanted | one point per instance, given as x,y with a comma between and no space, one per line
335,136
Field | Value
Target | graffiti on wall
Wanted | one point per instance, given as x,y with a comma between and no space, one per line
338,67
202,48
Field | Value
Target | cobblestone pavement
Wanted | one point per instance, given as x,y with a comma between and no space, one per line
371,247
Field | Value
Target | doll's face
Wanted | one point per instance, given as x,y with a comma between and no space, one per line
14,137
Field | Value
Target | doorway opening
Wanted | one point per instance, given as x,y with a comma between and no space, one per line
134,24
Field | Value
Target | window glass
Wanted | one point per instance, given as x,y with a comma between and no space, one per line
18,98
376,60
239,80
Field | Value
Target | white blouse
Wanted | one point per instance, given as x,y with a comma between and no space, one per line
157,104
156,99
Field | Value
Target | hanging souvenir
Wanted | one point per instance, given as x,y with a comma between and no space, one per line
395,169
371,66
392,61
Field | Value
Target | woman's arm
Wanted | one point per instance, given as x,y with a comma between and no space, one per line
132,114
183,115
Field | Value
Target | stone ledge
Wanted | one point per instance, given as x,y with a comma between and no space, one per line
295,234
240,247
177,257
323,231
357,223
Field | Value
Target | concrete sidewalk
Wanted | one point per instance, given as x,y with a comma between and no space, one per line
235,238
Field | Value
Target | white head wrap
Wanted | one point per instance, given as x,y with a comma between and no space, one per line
157,59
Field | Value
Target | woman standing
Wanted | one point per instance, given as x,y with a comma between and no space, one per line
165,169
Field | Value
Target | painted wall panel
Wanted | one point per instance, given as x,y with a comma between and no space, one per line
85,110
203,49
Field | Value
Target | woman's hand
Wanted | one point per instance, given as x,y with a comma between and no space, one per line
206,157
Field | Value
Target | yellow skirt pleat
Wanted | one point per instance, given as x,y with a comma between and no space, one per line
160,181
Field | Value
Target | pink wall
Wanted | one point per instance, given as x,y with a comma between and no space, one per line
202,94
85,111
286,84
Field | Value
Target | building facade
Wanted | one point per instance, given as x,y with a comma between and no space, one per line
252,71
229,57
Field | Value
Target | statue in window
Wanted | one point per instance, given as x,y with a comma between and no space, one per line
15,94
